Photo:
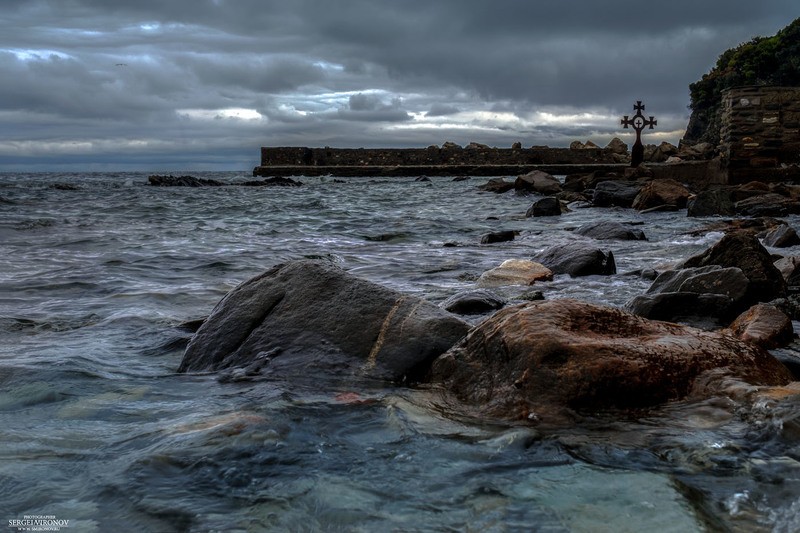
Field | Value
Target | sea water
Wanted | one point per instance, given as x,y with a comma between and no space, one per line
99,273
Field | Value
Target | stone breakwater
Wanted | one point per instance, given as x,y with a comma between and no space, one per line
474,159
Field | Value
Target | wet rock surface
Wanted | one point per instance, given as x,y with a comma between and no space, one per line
534,360
307,315
610,230
577,259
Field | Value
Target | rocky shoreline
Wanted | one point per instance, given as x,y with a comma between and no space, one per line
702,329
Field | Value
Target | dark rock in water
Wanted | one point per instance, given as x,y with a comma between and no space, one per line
790,361
705,297
789,268
615,193
764,325
531,296
307,315
710,203
461,178
661,192
498,236
423,178
181,181
272,182
473,302
546,207
789,305
700,310
497,185
577,259
535,361
538,182
768,205
750,190
571,197
610,230
64,187
712,279
782,236
742,250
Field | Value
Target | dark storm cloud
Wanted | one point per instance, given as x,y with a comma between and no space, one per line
441,110
83,78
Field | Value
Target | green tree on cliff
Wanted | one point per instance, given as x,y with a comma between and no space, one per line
762,61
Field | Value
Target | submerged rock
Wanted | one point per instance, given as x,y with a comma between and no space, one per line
545,207
307,315
534,360
181,181
498,236
577,259
272,182
497,185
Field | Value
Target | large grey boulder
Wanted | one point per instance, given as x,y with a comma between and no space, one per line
307,316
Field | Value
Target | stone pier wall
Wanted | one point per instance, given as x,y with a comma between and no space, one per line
433,156
760,135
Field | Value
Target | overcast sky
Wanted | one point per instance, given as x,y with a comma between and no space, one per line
202,84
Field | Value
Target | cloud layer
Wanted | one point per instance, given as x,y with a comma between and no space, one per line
94,84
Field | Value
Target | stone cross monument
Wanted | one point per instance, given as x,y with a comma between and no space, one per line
638,122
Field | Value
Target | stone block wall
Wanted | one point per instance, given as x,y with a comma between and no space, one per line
760,133
433,156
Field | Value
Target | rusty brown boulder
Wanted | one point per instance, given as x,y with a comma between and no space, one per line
764,325
661,192
539,359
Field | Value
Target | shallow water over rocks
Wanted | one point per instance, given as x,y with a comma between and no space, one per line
96,426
